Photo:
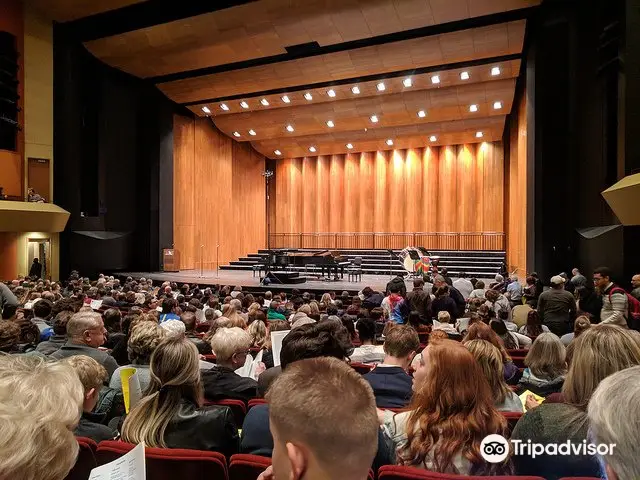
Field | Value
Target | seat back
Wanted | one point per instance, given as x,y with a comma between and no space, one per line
512,419
256,401
238,408
247,467
361,368
394,472
170,463
86,460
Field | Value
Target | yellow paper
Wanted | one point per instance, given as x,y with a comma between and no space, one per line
125,373
526,393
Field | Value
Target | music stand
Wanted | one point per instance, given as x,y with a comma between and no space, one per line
415,256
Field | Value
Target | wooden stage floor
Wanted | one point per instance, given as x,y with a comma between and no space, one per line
246,279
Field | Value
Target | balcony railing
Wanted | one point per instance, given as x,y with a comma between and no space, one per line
377,240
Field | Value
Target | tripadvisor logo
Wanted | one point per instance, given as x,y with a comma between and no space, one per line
495,448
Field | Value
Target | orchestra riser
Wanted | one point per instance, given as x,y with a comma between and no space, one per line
481,264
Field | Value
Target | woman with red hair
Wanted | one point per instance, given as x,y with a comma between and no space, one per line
482,331
451,412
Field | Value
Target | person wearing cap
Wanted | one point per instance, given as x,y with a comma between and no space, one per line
557,307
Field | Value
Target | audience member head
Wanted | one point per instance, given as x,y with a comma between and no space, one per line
444,316
143,340
322,339
40,405
86,328
60,322
174,328
613,420
557,282
490,360
491,295
500,328
169,305
479,285
534,324
400,346
259,333
9,336
580,325
482,331
189,320
92,375
174,377
376,314
547,358
366,331
306,445
602,277
451,412
231,346
112,319
598,352
42,309
438,335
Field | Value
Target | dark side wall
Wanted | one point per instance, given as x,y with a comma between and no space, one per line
575,55
113,141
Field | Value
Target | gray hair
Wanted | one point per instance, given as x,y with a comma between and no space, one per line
614,419
81,322
174,328
228,341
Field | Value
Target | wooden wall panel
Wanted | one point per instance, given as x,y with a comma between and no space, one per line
458,188
9,249
516,179
219,195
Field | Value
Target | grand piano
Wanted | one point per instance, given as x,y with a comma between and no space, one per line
328,261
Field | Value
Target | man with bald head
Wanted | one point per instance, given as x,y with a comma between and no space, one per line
85,333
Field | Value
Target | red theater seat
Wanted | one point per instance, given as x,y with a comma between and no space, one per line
247,467
361,368
393,472
238,408
256,401
512,419
86,460
580,478
170,463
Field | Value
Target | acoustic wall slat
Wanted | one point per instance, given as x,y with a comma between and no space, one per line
219,195
446,189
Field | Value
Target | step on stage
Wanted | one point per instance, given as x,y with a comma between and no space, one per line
252,282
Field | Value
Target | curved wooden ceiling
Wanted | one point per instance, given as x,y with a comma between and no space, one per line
237,59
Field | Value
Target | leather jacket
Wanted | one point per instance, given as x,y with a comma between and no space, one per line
208,428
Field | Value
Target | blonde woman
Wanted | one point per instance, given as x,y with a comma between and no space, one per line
171,414
599,352
546,363
259,333
40,404
580,325
490,360
230,311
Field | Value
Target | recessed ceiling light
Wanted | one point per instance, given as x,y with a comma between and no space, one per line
252,132
236,134
355,90
285,99
435,79
244,104
495,71
331,93
349,146
308,96
330,124
224,106
206,109
380,86
289,128
277,152
422,114
389,142
497,105
407,82
374,118
473,108
264,102
433,138
464,75
479,134
312,149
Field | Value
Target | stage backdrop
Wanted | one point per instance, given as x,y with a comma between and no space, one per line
456,188
219,195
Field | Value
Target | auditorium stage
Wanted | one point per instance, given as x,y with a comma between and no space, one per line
246,279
